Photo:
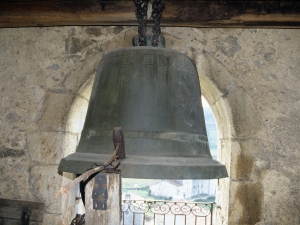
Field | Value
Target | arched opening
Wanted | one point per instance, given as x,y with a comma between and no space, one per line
220,111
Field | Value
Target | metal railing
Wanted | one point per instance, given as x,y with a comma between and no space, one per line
148,212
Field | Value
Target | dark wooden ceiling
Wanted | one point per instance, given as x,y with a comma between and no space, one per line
189,13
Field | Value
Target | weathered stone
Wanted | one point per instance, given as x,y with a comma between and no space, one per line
6,152
18,113
244,166
228,46
246,120
77,113
74,45
53,219
250,196
14,179
55,111
248,200
93,31
46,147
279,206
47,182
218,73
71,142
118,29
54,66
86,89
266,52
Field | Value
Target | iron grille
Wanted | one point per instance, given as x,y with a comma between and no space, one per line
145,212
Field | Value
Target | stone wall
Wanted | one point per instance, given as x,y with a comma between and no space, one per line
250,77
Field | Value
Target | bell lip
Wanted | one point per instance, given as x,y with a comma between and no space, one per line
147,167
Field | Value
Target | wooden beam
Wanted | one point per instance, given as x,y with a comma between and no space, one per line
11,211
189,13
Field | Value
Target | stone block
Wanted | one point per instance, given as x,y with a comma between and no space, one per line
47,182
246,119
248,197
228,45
55,111
86,89
279,205
249,159
46,147
77,114
16,104
218,73
15,178
54,219
71,142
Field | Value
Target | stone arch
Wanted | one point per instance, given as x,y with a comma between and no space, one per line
222,116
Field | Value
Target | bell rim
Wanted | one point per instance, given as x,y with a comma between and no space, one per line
149,167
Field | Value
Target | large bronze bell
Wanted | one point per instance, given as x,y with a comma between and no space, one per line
154,95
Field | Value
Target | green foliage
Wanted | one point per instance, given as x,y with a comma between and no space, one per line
208,199
142,193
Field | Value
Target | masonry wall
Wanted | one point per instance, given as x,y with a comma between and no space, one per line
250,77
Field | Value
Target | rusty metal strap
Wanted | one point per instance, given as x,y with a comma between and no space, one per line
100,194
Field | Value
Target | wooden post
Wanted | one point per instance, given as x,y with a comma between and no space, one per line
112,215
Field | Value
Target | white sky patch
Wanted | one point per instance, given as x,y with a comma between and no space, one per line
204,102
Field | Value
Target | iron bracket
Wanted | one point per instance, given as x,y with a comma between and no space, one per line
100,194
